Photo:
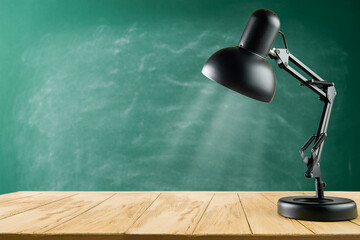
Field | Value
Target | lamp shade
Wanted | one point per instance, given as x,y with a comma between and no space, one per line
244,68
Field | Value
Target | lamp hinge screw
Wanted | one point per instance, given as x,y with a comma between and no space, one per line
309,175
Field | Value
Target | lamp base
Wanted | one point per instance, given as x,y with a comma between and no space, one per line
314,209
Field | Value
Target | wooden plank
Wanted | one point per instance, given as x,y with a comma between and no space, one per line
344,227
115,215
223,216
16,195
46,217
18,205
334,228
172,213
264,219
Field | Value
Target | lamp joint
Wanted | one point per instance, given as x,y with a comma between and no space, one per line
281,56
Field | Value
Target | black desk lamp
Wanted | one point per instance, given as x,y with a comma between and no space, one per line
244,69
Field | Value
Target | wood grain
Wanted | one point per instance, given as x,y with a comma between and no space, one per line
22,204
224,215
125,209
162,215
16,195
48,216
263,218
173,213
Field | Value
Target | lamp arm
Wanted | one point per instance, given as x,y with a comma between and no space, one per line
326,91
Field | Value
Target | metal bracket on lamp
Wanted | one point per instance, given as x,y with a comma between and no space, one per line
320,207
326,91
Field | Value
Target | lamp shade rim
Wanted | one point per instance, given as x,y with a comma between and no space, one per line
243,72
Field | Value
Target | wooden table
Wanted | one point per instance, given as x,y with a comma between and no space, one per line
161,215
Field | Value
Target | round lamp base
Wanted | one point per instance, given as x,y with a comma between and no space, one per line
315,209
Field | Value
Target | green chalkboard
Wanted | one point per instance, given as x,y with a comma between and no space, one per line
108,95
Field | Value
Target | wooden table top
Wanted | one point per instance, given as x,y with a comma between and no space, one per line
161,215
